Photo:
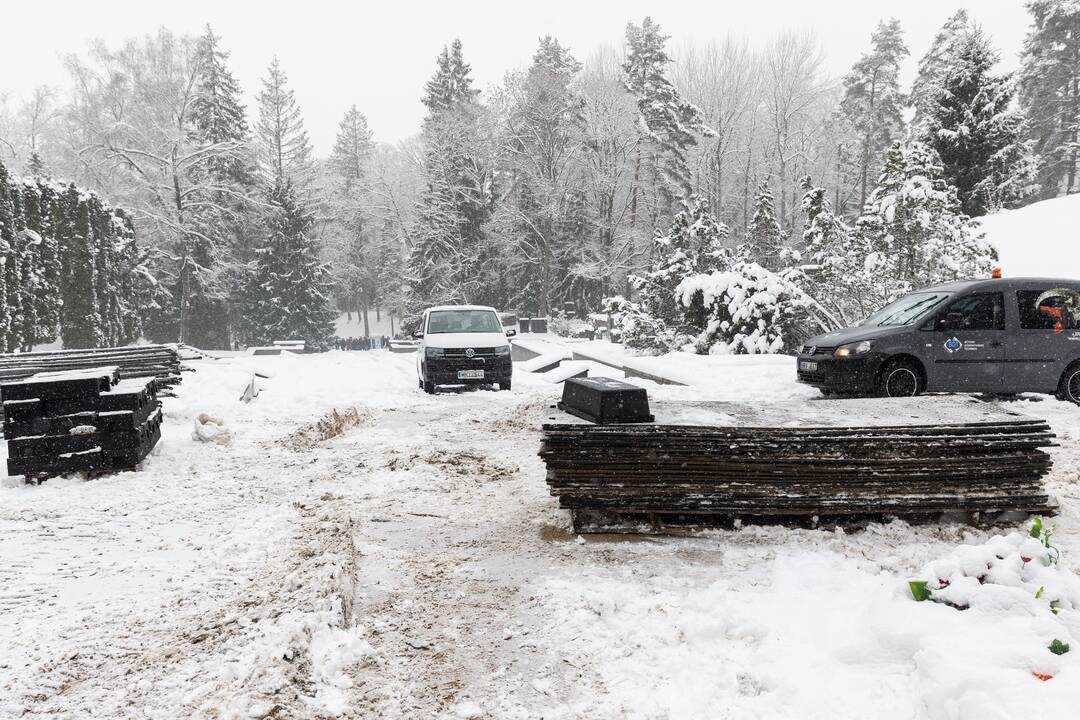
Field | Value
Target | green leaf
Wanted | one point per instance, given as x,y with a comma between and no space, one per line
1040,591
1036,528
919,590
1054,606
1059,648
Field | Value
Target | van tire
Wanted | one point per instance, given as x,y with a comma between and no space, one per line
429,387
504,385
1069,387
900,378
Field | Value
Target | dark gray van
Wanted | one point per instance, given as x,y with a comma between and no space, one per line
990,336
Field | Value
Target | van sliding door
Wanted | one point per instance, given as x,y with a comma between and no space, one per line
967,345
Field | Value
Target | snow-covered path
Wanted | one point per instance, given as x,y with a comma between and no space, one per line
415,567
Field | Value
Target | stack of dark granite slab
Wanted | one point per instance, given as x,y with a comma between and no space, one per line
79,421
160,363
708,463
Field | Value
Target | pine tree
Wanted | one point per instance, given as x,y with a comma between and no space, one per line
289,286
976,130
283,147
539,113
449,249
356,265
927,84
451,85
873,104
1050,93
913,229
352,148
764,238
670,125
835,270
696,243
217,117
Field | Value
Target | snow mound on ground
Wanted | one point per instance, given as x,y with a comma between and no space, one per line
1037,240
1006,603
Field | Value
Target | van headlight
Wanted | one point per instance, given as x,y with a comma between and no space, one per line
502,351
859,348
432,352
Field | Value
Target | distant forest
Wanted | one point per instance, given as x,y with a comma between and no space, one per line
663,184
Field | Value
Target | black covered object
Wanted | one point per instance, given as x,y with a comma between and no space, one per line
603,400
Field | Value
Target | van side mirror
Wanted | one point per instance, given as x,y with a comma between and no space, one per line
511,332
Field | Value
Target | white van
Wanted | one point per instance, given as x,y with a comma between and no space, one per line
463,345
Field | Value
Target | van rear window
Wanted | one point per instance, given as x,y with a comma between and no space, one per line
1056,309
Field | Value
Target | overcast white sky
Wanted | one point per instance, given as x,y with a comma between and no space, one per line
379,54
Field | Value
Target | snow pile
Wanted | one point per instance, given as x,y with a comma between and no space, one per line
779,623
1037,240
1014,581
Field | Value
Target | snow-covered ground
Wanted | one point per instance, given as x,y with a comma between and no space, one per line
416,567
1038,240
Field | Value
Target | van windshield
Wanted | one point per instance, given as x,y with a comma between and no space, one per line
907,309
463,321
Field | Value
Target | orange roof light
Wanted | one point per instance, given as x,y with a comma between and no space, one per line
996,273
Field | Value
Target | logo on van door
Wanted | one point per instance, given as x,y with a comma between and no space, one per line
953,344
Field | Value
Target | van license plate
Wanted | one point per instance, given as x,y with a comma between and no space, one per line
470,375
807,366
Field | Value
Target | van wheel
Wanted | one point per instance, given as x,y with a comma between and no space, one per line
1069,388
900,378
429,387
504,385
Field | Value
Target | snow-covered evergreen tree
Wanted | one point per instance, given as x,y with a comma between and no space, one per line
872,105
668,123
448,250
539,120
927,84
284,152
913,229
80,318
290,284
217,116
225,178
973,124
352,148
695,243
1049,82
764,239
357,262
7,249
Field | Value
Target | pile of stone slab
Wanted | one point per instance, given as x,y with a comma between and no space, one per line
79,421
160,363
712,463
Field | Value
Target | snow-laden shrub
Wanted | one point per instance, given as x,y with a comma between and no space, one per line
565,326
745,310
637,329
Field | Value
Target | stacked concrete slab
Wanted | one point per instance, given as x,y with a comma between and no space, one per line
706,463
79,421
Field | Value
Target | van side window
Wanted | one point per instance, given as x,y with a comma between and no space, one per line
1055,309
981,311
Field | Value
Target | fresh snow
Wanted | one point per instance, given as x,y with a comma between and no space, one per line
416,567
1038,240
